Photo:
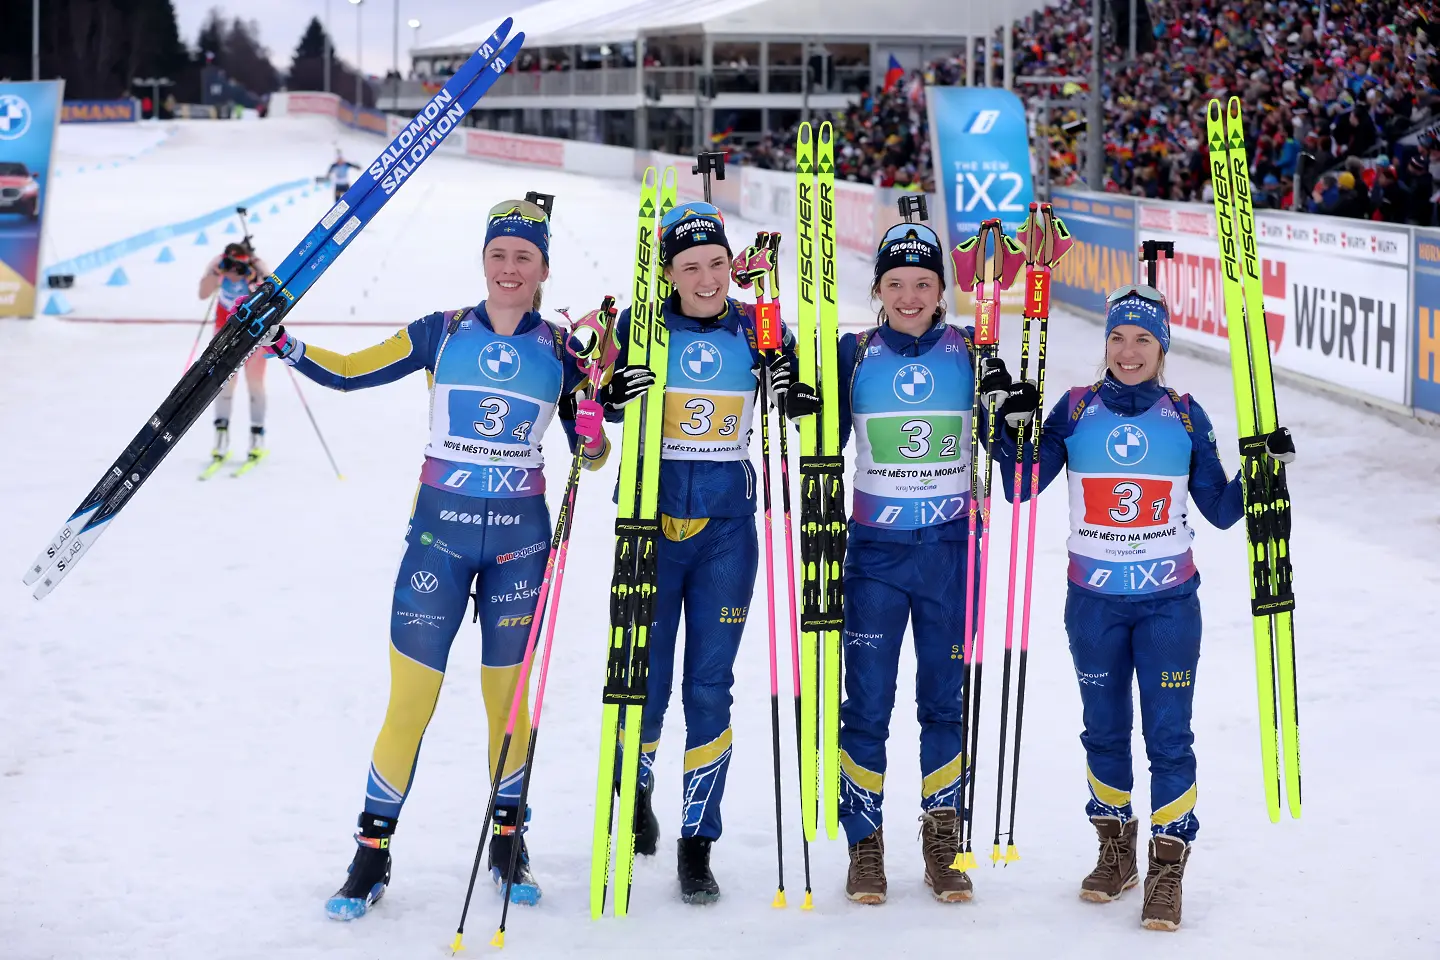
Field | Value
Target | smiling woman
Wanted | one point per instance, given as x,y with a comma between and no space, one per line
499,373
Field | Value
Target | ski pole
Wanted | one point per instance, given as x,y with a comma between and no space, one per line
768,341
320,436
554,569
200,331
1054,242
809,900
986,264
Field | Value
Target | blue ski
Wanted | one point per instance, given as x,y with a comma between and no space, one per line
275,297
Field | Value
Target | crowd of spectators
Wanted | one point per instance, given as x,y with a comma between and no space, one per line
1337,105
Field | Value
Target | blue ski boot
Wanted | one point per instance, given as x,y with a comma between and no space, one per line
369,872
507,843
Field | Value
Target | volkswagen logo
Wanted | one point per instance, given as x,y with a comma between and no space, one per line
424,581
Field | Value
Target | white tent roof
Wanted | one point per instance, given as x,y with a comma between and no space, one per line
563,22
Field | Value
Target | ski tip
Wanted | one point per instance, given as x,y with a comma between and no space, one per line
1212,110
809,902
498,941
457,944
779,902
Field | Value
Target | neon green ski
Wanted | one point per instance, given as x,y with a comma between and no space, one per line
1267,496
632,592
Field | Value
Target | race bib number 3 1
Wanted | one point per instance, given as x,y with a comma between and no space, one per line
1126,502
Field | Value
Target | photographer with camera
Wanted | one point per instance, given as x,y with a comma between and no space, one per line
231,277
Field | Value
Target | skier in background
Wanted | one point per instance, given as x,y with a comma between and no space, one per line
338,173
709,550
907,388
1136,452
499,373
231,277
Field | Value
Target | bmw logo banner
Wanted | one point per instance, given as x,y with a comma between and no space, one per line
29,114
981,149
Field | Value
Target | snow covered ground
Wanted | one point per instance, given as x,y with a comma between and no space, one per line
188,719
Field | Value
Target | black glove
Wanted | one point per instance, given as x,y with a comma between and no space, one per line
995,382
627,384
801,401
1280,445
1018,407
782,374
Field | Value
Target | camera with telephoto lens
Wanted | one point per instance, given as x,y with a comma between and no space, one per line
231,265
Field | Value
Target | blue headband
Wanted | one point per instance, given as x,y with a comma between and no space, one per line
516,225
1141,312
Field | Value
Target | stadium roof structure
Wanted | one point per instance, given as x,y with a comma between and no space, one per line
554,23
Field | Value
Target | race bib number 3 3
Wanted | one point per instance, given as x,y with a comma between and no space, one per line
702,418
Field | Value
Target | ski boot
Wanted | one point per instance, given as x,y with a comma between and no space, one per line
940,842
369,872
865,881
258,451
1168,856
647,828
697,883
503,850
221,451
1114,871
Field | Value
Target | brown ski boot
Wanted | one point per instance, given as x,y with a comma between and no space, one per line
865,883
1162,883
940,841
1115,870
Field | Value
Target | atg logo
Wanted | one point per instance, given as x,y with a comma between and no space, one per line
500,361
14,117
1127,445
701,360
914,383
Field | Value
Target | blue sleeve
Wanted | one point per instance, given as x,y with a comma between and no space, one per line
1053,455
412,348
1220,500
848,354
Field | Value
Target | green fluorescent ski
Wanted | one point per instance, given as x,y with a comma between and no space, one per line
1267,499
833,488
629,535
809,483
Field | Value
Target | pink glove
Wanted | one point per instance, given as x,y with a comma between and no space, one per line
590,424
751,263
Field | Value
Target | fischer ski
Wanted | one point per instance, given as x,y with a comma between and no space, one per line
632,589
822,484
1267,495
268,305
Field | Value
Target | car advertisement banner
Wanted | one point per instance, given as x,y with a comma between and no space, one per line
29,114
981,149
1337,293
1425,388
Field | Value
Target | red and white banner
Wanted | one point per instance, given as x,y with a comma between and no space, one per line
1337,293
534,151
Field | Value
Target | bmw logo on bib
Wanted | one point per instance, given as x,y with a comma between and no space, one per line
914,383
14,117
701,360
1127,445
499,361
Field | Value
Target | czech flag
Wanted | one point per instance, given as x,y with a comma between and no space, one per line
893,75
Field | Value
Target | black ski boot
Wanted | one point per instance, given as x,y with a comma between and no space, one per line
507,834
369,871
697,883
647,828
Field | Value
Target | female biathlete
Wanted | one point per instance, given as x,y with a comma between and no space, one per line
1135,453
498,373
231,277
907,388
709,550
